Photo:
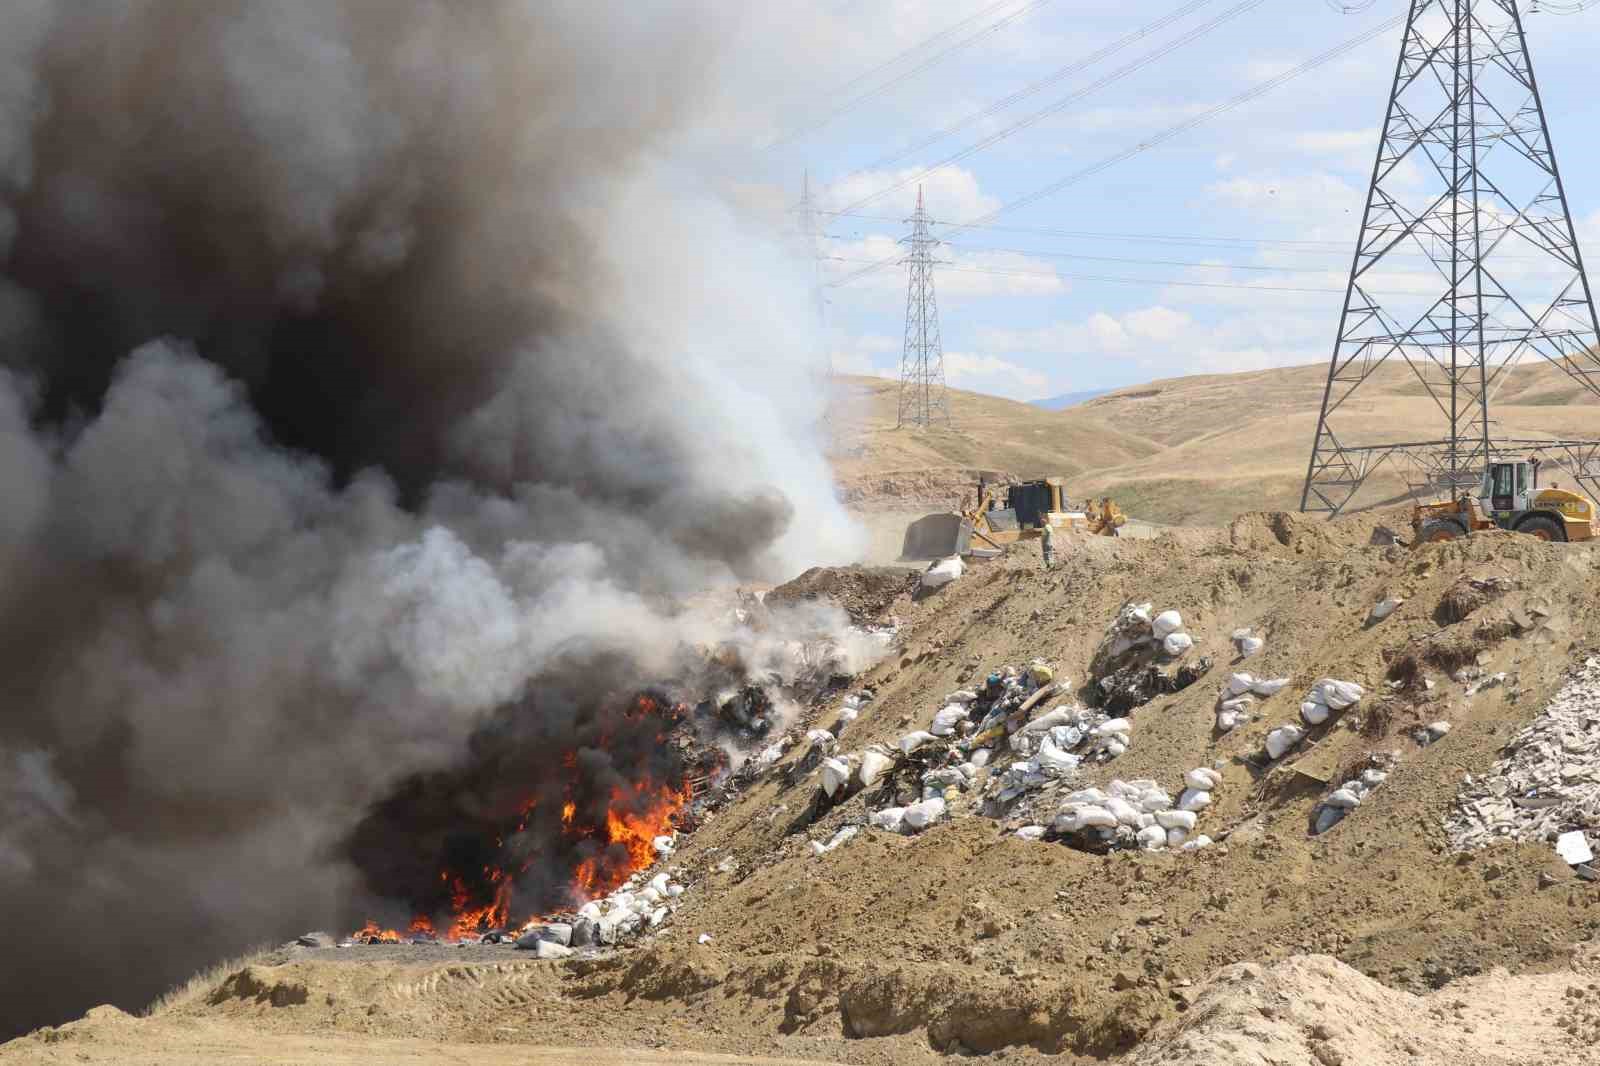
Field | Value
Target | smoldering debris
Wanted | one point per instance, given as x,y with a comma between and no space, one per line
349,391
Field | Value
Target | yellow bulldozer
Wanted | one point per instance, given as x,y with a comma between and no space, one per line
1509,497
1004,514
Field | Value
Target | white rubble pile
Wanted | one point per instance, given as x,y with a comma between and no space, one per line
1349,795
1140,814
1547,781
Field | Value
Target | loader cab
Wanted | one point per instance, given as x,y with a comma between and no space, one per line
1507,487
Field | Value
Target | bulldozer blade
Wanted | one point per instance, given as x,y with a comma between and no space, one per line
937,536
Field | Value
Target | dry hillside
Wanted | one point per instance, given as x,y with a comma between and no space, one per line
1190,450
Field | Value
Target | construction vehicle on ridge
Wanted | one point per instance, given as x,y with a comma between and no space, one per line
1509,497
1005,514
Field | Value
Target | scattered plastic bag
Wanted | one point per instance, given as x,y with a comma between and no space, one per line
943,572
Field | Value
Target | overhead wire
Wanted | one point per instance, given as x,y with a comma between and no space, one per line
1077,66
1255,91
900,79
1056,107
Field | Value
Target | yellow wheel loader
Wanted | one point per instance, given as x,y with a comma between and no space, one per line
1004,515
1508,498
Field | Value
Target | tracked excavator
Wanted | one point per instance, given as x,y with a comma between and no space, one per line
1509,497
1005,514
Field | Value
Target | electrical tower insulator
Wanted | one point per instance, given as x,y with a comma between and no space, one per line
1465,179
922,391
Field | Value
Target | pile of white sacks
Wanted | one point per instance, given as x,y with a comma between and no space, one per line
644,903
1139,814
1239,693
1135,625
1348,796
1326,698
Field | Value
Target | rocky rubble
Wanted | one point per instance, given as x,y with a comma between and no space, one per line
1547,781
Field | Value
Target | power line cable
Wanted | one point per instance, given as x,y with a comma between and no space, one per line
1260,89
937,57
1064,102
1032,89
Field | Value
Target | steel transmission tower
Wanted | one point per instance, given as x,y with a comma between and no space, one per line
922,393
1464,189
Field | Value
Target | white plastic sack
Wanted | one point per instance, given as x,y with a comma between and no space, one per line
890,818
1176,838
1281,740
1165,623
1197,843
873,765
1176,819
1227,721
1238,705
942,573
946,719
1384,608
1176,644
1152,800
1031,832
1086,797
1327,818
1059,716
921,815
1115,747
912,741
1124,812
1250,645
1152,838
1338,694
1202,779
822,740
1114,727
835,772
1073,819
1269,687
1346,798
1239,684
1314,712
1141,612
1053,760
965,695
1194,800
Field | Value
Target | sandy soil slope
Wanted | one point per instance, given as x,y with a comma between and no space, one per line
965,938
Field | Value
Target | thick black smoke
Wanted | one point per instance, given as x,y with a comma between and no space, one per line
365,365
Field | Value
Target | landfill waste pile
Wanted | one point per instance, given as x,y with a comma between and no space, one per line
1025,831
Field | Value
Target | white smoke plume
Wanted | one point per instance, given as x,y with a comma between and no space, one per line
365,366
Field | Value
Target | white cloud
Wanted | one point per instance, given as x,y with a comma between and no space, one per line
1350,149
950,194
993,375
959,274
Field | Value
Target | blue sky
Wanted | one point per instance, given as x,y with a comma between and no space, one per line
1268,194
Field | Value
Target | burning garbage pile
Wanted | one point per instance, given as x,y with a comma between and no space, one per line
550,835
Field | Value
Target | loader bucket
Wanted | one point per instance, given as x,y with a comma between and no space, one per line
937,536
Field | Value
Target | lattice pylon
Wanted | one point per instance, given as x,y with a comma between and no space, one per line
922,390
1465,181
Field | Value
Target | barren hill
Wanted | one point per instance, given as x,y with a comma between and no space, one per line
1186,450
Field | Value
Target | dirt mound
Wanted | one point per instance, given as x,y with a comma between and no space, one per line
1316,1011
863,592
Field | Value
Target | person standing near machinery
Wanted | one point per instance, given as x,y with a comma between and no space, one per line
1047,545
